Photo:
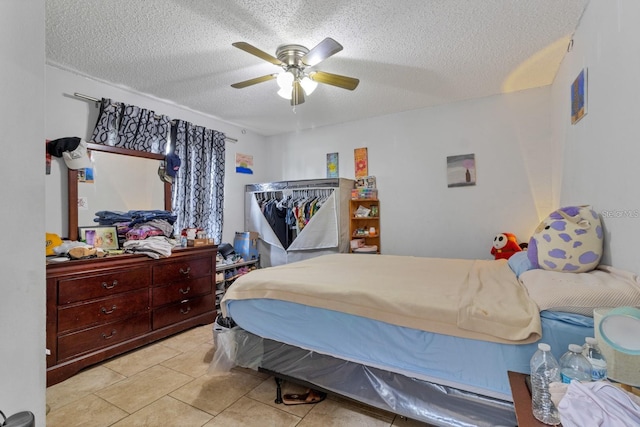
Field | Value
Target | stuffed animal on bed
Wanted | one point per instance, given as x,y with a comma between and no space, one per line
568,240
505,245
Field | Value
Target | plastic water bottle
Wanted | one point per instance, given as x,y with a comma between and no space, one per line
544,371
592,352
574,366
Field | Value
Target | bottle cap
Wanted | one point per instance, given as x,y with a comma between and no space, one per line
544,347
591,340
575,348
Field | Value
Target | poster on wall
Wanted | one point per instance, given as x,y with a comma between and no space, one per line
85,175
332,165
361,162
461,170
244,163
579,97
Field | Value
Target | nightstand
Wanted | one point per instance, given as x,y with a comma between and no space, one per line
522,400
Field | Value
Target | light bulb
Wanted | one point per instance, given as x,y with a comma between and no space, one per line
308,85
285,79
285,92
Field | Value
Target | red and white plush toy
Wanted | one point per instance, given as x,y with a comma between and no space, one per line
505,245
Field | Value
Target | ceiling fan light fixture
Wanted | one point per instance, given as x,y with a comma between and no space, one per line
285,92
285,80
295,81
297,94
308,85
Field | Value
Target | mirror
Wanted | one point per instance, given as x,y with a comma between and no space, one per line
105,187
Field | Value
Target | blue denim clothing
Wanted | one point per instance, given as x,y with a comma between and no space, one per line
133,217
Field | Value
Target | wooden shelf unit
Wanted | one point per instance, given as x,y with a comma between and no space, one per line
365,223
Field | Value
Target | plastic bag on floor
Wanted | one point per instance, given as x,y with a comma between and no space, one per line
224,357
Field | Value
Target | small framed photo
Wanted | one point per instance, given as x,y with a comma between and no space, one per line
103,237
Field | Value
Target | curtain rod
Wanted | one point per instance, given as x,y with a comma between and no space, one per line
96,100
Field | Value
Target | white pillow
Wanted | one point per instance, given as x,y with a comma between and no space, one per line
581,293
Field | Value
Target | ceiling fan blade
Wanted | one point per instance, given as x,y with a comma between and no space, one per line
322,51
344,82
297,94
257,52
257,80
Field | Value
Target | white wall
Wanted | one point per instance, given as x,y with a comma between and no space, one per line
407,152
22,306
600,154
67,115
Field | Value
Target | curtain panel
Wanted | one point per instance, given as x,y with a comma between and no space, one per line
128,126
198,188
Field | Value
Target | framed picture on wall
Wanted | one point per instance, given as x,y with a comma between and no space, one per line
244,163
332,165
461,170
579,97
103,237
361,159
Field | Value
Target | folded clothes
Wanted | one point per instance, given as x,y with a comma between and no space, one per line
133,216
154,246
142,231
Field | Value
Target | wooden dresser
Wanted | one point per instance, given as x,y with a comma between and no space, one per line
99,308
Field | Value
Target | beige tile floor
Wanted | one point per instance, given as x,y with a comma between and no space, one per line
167,384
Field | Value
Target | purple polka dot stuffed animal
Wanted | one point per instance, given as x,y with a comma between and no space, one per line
569,240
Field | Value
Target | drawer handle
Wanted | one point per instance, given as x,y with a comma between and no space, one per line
106,337
185,272
111,286
185,291
105,311
185,311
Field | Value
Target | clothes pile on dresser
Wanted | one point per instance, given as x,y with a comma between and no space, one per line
154,246
138,224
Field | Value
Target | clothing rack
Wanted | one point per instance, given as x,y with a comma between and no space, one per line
327,233
298,205
97,101
292,185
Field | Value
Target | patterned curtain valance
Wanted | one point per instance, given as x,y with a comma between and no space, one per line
132,127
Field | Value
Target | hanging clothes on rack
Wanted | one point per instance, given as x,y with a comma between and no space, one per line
287,214
299,219
275,213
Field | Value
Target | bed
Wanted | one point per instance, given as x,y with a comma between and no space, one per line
427,338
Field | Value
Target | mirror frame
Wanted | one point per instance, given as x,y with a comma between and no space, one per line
72,183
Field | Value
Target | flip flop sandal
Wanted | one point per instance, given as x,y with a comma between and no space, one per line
303,399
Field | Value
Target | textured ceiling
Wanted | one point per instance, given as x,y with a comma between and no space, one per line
407,54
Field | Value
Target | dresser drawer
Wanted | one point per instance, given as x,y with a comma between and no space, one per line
181,311
102,285
73,344
179,291
85,314
180,270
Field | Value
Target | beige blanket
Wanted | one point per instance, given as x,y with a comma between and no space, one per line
467,298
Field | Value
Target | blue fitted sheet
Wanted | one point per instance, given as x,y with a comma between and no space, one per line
472,365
